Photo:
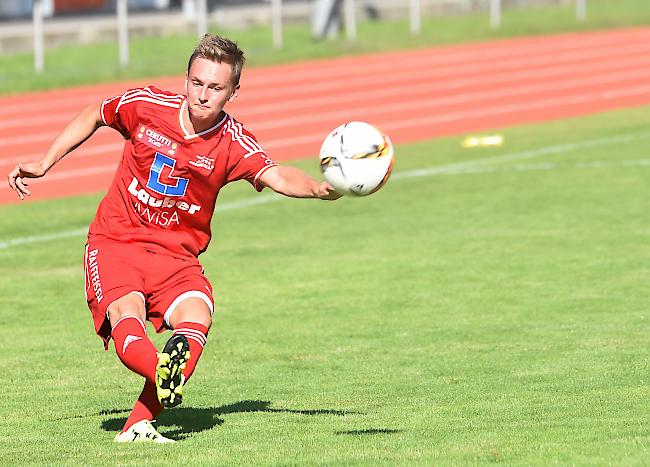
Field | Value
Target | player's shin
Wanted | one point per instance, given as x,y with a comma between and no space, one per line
134,348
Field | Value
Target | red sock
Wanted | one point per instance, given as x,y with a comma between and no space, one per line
197,335
134,348
146,407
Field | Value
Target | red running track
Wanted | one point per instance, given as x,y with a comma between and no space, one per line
411,95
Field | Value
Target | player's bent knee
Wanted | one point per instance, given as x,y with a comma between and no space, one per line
131,304
191,309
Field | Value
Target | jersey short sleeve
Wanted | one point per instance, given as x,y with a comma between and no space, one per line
118,115
248,160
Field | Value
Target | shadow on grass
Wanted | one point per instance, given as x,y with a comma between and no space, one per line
194,420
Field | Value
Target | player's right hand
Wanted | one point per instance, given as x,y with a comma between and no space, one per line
327,192
17,176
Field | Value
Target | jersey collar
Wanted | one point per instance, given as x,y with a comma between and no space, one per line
186,133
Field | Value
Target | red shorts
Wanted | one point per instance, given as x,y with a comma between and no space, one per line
114,269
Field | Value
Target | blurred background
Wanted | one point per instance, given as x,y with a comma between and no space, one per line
125,39
84,21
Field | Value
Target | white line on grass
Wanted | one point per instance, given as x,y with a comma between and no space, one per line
522,155
550,166
42,238
84,231
473,166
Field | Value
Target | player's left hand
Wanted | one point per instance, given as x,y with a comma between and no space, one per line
327,192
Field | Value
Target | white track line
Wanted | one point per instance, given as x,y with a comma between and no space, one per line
527,106
474,97
632,70
379,110
633,66
32,138
448,56
473,166
254,95
434,74
86,151
440,58
387,126
67,174
382,120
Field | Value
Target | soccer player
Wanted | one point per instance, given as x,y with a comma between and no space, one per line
141,256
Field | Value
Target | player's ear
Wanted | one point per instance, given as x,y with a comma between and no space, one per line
234,94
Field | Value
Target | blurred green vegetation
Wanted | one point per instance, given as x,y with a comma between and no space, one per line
162,56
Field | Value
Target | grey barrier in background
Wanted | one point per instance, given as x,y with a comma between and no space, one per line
328,17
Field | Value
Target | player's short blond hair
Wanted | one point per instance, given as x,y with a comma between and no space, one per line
221,50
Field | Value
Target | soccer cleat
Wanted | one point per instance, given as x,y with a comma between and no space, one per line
169,371
141,432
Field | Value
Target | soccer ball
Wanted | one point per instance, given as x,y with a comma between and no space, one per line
356,158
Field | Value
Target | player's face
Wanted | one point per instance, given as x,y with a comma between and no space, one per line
209,87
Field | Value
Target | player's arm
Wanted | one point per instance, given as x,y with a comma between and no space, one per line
293,182
73,135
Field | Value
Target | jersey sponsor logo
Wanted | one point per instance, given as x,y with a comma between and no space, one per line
176,186
156,140
93,275
203,162
142,195
146,206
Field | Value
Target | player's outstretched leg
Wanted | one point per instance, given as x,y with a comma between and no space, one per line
169,371
140,432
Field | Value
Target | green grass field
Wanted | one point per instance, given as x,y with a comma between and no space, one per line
486,306
161,56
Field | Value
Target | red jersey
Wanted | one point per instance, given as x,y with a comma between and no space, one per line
165,188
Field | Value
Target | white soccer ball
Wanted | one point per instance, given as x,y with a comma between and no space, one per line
356,158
